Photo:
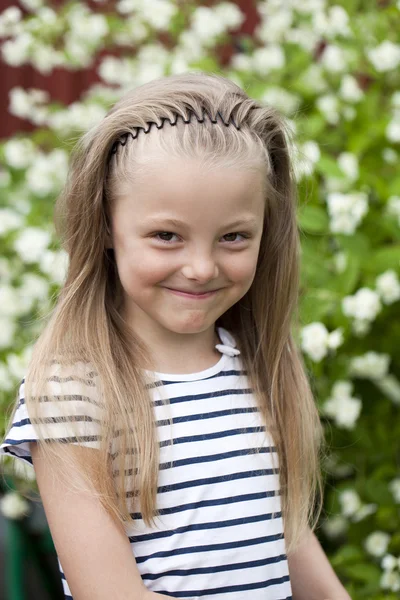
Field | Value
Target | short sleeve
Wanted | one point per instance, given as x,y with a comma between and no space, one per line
73,418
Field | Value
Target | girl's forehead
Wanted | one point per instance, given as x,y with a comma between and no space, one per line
189,180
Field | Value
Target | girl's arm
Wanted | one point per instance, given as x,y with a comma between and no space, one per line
94,551
311,574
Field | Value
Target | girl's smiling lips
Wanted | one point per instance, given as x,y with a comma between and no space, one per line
189,294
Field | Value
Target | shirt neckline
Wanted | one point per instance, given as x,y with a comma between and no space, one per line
213,370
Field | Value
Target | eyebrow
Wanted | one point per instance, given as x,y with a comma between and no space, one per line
246,221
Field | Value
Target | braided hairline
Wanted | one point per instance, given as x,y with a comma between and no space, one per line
122,140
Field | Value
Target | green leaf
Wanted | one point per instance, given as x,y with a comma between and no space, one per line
365,572
347,554
328,166
313,219
384,259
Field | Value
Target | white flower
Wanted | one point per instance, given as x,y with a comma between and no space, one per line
32,288
274,26
304,158
55,265
348,163
350,502
364,511
343,410
91,28
388,562
9,18
314,78
390,386
377,543
18,363
350,90
341,406
389,155
7,332
385,57
335,338
280,98
44,58
314,340
14,506
393,131
76,117
191,45
15,52
229,14
329,106
388,286
393,206
394,487
370,365
346,211
267,59
31,243
205,24
333,23
28,104
310,6
364,304
19,153
48,172
390,580
9,301
334,59
9,220
360,327
335,526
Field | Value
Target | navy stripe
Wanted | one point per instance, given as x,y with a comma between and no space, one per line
202,437
181,485
206,395
211,547
209,415
65,398
226,589
65,440
202,526
216,502
216,568
208,458
212,436
160,382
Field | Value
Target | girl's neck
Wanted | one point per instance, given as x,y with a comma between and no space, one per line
182,354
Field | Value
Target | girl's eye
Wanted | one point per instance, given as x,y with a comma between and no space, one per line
169,233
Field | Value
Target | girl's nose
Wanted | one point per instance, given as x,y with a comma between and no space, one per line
201,267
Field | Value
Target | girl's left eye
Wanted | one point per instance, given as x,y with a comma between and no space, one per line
169,233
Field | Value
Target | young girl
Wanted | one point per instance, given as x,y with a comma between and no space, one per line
166,409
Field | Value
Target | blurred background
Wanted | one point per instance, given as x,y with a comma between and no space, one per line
332,68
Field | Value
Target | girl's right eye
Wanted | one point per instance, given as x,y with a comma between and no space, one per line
167,233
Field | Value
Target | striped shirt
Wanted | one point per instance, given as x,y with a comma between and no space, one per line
220,530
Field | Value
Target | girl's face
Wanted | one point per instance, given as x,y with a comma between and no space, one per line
185,229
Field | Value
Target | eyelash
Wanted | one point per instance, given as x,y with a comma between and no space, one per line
244,235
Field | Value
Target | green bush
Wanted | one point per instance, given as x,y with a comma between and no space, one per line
333,70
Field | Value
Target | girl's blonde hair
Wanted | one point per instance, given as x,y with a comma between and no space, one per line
87,331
